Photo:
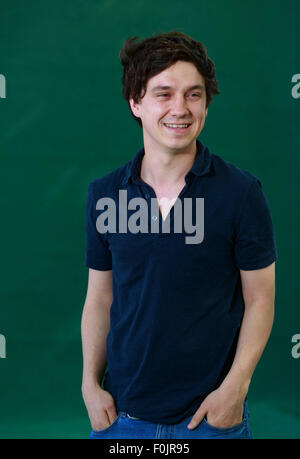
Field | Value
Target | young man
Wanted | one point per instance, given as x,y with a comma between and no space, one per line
180,320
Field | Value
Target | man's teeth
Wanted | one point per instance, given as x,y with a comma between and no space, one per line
177,125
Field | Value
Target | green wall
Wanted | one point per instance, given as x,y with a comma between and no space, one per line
64,122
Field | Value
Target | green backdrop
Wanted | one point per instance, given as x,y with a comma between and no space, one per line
64,122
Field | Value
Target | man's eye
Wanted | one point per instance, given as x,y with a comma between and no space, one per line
194,95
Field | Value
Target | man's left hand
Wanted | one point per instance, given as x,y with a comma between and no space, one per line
223,408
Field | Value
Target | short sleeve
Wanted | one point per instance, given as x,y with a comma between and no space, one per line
255,245
97,253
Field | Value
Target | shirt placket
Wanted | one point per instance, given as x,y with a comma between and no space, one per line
156,216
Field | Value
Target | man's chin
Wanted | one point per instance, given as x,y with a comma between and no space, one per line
179,144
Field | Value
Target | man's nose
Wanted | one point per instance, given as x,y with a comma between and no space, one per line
179,106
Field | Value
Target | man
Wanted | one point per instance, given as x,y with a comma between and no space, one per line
180,322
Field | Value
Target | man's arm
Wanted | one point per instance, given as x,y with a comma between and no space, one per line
224,406
95,325
259,295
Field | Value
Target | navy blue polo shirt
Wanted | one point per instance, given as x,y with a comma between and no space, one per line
177,307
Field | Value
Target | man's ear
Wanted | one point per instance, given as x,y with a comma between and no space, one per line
206,112
134,107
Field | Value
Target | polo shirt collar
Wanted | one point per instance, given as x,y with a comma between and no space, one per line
201,166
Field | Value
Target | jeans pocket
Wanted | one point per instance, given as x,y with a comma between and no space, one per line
226,429
243,422
97,432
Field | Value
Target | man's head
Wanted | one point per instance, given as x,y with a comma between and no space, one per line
149,57
168,79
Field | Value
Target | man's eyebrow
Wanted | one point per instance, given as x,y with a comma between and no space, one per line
166,88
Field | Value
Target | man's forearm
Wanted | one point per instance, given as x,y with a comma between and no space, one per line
95,325
254,333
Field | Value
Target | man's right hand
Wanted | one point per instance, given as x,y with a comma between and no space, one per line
100,406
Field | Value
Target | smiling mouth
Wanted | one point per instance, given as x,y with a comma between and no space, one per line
177,126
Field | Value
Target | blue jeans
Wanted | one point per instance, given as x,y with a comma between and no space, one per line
125,426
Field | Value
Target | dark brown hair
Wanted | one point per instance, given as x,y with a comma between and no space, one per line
149,57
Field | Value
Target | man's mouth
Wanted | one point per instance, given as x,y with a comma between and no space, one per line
178,127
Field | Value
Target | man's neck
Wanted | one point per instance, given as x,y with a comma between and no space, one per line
161,168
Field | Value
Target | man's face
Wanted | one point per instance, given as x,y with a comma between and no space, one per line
174,97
